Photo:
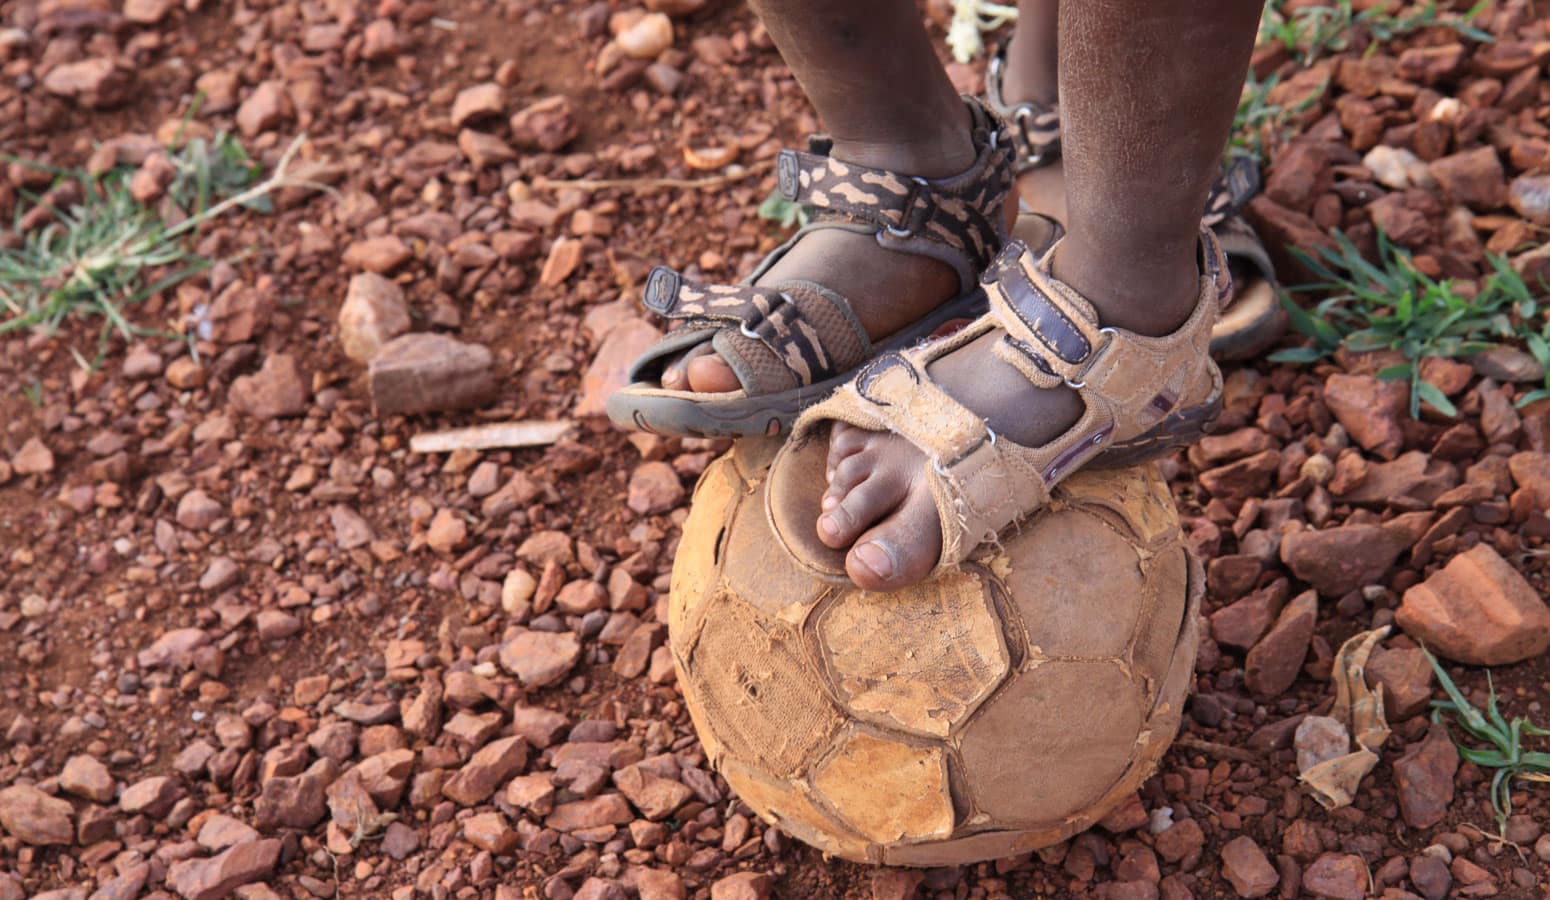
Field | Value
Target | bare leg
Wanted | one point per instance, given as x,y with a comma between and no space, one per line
1032,73
1032,66
1147,91
869,69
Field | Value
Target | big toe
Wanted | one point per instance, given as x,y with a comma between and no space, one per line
901,550
848,513
710,374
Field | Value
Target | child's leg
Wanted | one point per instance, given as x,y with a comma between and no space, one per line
1147,91
1032,65
870,71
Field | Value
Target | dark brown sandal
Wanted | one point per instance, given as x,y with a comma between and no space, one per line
792,343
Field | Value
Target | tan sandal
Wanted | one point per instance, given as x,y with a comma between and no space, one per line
790,344
1252,319
1144,395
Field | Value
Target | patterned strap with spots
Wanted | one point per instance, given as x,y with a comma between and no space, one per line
1035,127
958,219
772,317
1232,190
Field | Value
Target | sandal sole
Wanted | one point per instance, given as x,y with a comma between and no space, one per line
1178,430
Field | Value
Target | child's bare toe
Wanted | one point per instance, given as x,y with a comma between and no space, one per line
901,550
859,507
845,439
675,377
849,472
709,374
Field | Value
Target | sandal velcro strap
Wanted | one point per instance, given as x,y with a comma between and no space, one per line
1052,332
956,219
808,329
934,421
1048,326
980,482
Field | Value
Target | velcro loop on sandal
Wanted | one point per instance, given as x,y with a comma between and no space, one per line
983,491
670,296
771,317
914,406
660,294
879,198
1044,319
758,369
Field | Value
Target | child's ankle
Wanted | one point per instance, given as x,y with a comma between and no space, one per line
1150,298
940,154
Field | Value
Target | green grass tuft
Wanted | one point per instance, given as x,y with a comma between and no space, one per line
776,208
107,251
1504,741
1310,32
1392,305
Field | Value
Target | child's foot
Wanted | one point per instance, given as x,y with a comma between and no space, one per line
879,505
888,257
982,426
887,291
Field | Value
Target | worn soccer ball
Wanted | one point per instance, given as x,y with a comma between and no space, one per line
987,712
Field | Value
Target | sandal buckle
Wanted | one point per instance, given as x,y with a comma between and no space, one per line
916,214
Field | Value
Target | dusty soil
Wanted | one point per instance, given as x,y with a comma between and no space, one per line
229,588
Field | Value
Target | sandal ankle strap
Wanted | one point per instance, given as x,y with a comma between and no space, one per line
1035,127
1052,332
958,220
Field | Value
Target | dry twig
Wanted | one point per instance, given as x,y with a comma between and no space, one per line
652,184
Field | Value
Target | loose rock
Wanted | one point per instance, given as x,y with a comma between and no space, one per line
419,373
654,488
33,817
34,458
1478,610
487,770
540,658
1246,866
1338,876
373,313
1370,410
276,391
219,876
648,37
478,102
1424,778
264,109
380,255
1405,678
547,125
85,776
1273,664
95,82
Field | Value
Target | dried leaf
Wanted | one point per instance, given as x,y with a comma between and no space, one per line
1334,782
